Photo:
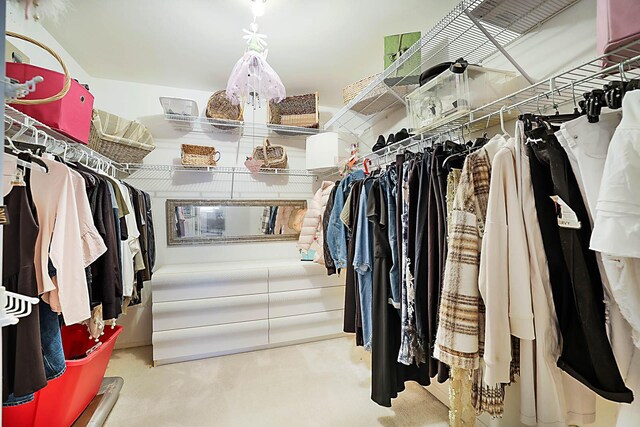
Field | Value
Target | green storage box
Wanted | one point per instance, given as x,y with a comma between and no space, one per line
394,47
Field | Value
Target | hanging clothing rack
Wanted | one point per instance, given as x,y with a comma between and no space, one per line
22,128
544,96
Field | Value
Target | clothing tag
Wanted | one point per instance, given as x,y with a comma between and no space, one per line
18,179
567,218
4,217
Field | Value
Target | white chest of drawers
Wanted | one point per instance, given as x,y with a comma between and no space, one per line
208,310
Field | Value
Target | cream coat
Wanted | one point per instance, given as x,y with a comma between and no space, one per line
311,236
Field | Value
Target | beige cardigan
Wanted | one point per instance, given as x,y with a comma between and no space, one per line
504,270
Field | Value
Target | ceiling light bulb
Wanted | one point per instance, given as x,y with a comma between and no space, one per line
258,7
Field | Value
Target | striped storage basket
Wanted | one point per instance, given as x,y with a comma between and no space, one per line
297,110
121,140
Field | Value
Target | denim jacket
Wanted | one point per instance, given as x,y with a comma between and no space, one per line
336,231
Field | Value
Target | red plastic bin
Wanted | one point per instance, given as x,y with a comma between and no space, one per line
62,401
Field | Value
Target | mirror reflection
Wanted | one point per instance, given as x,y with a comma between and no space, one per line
210,221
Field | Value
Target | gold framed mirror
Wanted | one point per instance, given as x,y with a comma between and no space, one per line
205,222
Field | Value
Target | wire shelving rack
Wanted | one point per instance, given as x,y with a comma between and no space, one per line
544,97
474,30
22,127
249,129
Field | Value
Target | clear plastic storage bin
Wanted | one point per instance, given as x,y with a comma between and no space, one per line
450,96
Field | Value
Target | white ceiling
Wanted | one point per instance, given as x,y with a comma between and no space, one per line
315,45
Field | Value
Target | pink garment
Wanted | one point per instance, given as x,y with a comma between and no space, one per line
252,73
92,243
59,238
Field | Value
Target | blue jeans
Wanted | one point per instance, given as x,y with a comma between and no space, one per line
51,340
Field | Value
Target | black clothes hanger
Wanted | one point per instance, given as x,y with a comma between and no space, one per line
461,152
480,142
36,149
28,157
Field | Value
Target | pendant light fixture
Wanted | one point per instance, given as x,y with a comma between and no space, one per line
252,77
258,7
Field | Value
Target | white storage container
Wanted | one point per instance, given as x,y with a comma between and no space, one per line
181,112
450,96
325,150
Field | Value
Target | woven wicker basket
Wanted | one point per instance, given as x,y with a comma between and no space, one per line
219,107
272,156
121,140
199,155
379,99
299,110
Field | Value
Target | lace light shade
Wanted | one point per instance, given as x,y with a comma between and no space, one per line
252,74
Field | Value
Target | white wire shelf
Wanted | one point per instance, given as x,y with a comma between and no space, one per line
465,32
545,97
27,129
135,167
216,182
250,129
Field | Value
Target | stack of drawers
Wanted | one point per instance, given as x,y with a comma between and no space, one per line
214,309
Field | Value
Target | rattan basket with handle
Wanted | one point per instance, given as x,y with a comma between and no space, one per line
298,110
199,155
271,156
219,107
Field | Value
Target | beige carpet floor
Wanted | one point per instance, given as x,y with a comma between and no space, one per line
319,384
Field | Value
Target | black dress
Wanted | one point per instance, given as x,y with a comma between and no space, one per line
575,279
352,313
388,376
437,253
22,363
422,254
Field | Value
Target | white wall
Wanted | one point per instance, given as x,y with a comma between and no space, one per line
38,56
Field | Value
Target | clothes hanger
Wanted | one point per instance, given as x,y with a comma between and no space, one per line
504,131
366,164
24,155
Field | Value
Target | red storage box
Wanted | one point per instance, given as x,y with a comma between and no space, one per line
70,115
62,401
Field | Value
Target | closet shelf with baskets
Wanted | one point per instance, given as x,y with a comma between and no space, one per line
474,30
23,128
544,97
247,129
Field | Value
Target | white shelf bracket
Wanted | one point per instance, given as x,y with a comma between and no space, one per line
499,46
